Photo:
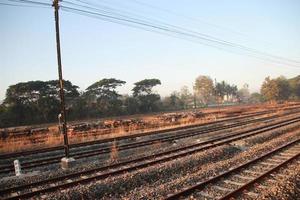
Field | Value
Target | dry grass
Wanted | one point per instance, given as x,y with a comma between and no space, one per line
53,138
114,152
153,123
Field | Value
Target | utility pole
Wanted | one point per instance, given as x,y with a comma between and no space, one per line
61,84
195,103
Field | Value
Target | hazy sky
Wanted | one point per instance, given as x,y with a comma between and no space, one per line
93,49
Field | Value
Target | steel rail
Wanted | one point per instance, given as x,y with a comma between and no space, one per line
180,132
105,150
101,141
160,158
258,179
188,191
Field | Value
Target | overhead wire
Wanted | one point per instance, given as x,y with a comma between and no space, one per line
127,19
19,5
175,13
143,23
31,2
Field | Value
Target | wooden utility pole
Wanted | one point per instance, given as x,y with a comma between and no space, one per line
61,84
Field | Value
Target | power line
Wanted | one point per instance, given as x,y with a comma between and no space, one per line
208,37
31,2
172,12
195,19
163,33
116,16
19,5
189,34
145,20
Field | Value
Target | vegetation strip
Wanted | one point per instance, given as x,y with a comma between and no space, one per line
53,160
23,153
83,154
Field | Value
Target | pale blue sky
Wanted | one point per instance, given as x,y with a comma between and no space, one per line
93,49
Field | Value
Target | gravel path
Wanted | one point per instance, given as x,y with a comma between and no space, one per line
157,181
286,185
209,169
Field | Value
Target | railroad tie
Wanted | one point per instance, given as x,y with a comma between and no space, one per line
276,175
282,157
252,194
222,188
262,168
287,154
275,160
206,195
252,172
13,194
83,177
294,151
244,177
234,183
267,163
271,180
262,186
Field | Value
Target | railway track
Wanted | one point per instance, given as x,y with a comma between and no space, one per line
25,130
66,181
82,144
240,180
83,154
19,132
13,156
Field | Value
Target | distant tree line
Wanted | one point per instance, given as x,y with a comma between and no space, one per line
280,89
37,102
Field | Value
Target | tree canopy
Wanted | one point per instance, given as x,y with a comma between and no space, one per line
204,88
103,97
144,87
147,100
276,89
36,102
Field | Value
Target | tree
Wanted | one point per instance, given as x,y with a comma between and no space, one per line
142,91
255,98
296,90
173,102
36,101
145,86
244,94
284,87
295,87
204,88
231,92
185,96
80,108
270,90
130,105
220,91
5,118
103,95
276,89
225,91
